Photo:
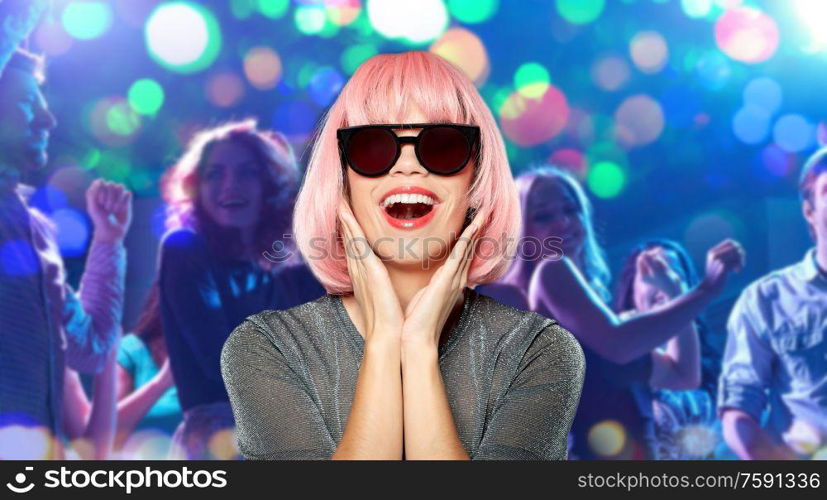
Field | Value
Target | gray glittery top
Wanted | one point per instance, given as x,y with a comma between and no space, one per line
513,380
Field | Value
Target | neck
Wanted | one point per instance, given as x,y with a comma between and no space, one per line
410,279
406,282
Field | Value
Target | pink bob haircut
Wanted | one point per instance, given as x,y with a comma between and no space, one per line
381,90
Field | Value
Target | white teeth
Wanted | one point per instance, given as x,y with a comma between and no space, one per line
407,198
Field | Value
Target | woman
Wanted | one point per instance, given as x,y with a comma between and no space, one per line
684,381
400,342
564,272
147,398
232,194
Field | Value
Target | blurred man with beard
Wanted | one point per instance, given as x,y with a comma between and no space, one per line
44,325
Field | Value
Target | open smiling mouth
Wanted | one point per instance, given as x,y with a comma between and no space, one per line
409,211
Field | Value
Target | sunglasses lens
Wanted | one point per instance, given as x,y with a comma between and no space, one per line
371,150
444,149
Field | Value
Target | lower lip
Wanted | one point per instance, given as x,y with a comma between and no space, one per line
409,223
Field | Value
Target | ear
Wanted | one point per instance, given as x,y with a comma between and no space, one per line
807,210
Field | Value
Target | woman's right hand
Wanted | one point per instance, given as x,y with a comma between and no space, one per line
722,259
380,309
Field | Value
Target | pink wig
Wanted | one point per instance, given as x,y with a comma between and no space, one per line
381,91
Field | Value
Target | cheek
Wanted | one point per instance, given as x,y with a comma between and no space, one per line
207,194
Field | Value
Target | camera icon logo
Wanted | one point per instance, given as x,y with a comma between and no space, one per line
20,478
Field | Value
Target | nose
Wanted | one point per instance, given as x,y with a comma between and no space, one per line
46,119
407,163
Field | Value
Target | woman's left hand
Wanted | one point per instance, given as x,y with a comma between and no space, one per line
430,308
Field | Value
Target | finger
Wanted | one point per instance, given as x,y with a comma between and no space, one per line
119,201
106,197
469,258
460,250
91,191
126,204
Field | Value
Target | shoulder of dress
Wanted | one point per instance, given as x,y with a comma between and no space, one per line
292,321
182,239
505,323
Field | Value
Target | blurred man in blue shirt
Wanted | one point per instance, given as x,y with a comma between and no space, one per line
776,354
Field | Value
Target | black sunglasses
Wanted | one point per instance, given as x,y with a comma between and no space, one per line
442,148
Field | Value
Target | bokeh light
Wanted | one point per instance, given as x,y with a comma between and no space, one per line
466,51
224,89
414,22
113,122
242,9
532,79
355,55
607,438
713,70
310,19
746,34
777,162
812,13
296,119
649,51
606,179
146,96
765,93
638,121
707,229
473,11
696,9
751,124
793,133
53,39
571,160
18,442
222,445
580,11
183,36
273,9
73,232
529,121
262,66
146,444
325,85
580,128
343,12
610,73
87,20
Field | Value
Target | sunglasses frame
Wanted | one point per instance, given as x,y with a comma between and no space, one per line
470,132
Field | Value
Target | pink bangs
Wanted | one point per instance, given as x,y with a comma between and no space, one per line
382,90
